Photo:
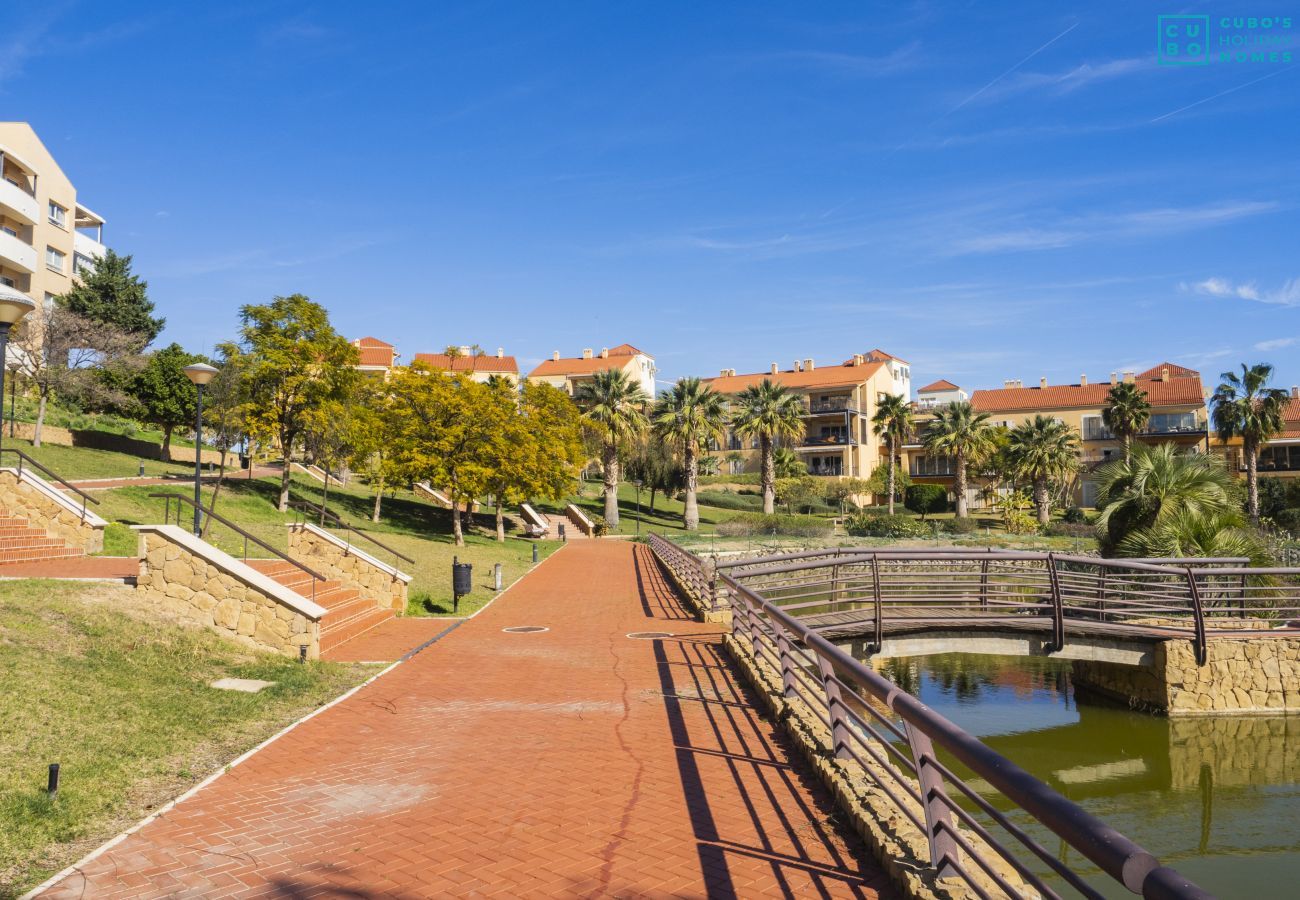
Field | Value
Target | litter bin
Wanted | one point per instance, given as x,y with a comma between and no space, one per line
462,581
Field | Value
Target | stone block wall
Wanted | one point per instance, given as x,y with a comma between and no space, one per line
218,592
1241,675
356,569
22,498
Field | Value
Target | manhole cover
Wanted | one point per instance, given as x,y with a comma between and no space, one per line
525,629
649,635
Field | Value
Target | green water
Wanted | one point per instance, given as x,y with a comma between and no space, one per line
1217,798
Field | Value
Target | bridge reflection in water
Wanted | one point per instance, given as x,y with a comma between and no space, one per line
1217,796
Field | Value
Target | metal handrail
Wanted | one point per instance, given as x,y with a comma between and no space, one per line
307,506
207,511
23,457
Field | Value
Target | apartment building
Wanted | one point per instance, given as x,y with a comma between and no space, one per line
1279,457
567,373
839,401
46,235
375,357
477,365
1178,414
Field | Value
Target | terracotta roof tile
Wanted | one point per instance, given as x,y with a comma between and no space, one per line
375,356
579,366
502,364
626,350
371,342
1175,371
825,377
1175,392
1291,418
940,385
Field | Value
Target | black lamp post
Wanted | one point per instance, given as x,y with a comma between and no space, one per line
13,394
13,306
200,374
637,482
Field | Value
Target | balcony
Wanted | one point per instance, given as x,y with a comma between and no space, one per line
18,202
1278,459
833,405
17,254
88,246
1160,425
827,440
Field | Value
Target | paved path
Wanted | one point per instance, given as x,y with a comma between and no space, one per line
571,762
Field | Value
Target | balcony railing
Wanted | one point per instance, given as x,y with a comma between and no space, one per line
19,202
16,254
836,405
828,440
1158,425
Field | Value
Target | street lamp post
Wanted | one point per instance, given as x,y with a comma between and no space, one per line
200,374
637,482
13,394
13,306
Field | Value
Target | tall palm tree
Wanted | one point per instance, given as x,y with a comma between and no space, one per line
613,405
1044,450
689,416
957,430
1246,407
892,422
1126,412
1156,485
769,412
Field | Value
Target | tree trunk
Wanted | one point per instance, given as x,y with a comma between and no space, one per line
1252,480
769,476
325,498
379,498
40,416
610,465
1043,501
1128,444
216,492
286,447
456,530
501,520
889,446
167,444
959,483
691,514
653,491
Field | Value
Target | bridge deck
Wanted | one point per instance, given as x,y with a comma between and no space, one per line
849,624
571,762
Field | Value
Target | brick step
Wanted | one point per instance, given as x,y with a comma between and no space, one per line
21,531
337,615
290,576
36,554
35,539
332,597
345,631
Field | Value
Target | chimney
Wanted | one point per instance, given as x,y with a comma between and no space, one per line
1007,384
555,356
1114,380
1083,380
586,353
797,366
465,350
501,352
604,353
1128,378
724,373
1295,392
1042,383
858,359
808,365
775,368
1164,374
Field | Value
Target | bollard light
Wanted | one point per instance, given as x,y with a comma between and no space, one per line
52,783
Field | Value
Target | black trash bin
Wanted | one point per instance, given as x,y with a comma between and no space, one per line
462,581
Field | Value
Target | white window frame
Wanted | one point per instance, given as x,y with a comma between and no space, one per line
55,259
58,215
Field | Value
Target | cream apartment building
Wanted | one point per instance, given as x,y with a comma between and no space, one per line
378,358
839,401
567,373
46,234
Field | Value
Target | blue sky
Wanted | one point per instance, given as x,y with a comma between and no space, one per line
990,191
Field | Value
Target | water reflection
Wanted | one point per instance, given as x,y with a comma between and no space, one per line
1219,797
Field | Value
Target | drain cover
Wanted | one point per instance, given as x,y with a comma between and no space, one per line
525,629
649,635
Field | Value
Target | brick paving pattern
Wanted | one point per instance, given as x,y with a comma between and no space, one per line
389,641
114,567
571,762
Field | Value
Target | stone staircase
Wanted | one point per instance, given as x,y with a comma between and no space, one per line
347,615
22,542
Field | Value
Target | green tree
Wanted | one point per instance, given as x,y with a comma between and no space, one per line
880,480
1246,407
842,491
1126,412
163,394
957,430
613,407
799,493
658,469
787,464
1042,451
924,499
296,363
892,422
107,292
371,438
689,416
768,412
223,412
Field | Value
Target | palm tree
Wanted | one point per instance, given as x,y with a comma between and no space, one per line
613,406
690,415
769,412
1126,412
787,464
1155,486
957,430
893,422
1186,534
1044,450
1246,407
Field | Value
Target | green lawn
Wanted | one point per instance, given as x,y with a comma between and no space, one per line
123,705
75,463
411,526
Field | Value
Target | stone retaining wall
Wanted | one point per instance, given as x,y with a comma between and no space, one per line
333,558
198,583
47,508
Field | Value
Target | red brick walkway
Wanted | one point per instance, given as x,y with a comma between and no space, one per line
571,762
113,567
389,641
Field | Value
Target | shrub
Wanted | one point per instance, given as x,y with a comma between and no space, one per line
961,526
1070,529
730,500
747,524
1288,519
877,525
1017,521
1074,516
599,527
924,499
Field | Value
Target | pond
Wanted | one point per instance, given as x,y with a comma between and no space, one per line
1217,798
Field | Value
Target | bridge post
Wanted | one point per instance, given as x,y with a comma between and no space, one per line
835,705
1198,634
984,582
876,603
1102,591
787,661
1058,609
939,829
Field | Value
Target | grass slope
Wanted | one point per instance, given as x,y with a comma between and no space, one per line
123,704
75,463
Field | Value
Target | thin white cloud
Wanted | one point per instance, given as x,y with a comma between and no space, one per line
1286,295
858,65
1275,344
1012,70
1066,81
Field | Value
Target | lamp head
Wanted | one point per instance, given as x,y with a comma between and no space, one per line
13,306
201,373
